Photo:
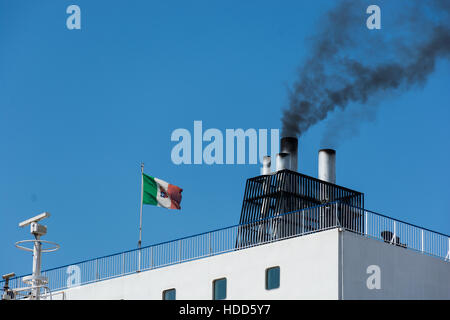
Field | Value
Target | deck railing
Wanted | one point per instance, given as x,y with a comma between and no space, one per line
406,235
239,237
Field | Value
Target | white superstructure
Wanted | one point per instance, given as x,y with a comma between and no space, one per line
298,238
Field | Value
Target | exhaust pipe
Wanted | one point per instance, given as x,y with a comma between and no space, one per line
267,162
327,165
283,161
290,145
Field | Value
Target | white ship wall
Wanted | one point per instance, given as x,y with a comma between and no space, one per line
308,270
403,273
330,264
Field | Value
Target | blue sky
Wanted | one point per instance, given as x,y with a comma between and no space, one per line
80,109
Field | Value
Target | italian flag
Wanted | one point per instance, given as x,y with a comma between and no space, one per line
160,193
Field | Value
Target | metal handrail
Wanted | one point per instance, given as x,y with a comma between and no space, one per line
242,236
401,221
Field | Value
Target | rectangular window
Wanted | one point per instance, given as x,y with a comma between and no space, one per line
220,289
272,278
169,294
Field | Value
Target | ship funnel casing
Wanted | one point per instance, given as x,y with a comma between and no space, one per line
290,145
283,161
327,165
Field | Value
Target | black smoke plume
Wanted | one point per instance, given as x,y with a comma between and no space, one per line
348,63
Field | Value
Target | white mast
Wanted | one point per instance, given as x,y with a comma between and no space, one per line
140,215
36,280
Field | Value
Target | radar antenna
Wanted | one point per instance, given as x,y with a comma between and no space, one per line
36,282
8,294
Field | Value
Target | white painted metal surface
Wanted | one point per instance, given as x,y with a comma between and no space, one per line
327,165
315,266
283,161
308,270
266,165
193,257
36,282
402,273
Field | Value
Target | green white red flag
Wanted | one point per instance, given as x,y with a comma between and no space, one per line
160,193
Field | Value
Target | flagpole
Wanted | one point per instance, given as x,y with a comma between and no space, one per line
140,214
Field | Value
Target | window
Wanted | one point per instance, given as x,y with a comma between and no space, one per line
220,289
169,294
272,278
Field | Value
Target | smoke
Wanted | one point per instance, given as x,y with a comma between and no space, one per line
350,64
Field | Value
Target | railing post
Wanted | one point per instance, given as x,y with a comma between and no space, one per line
336,209
303,222
123,263
422,242
365,224
447,257
394,235
209,243
336,214
320,209
96,269
151,257
139,260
